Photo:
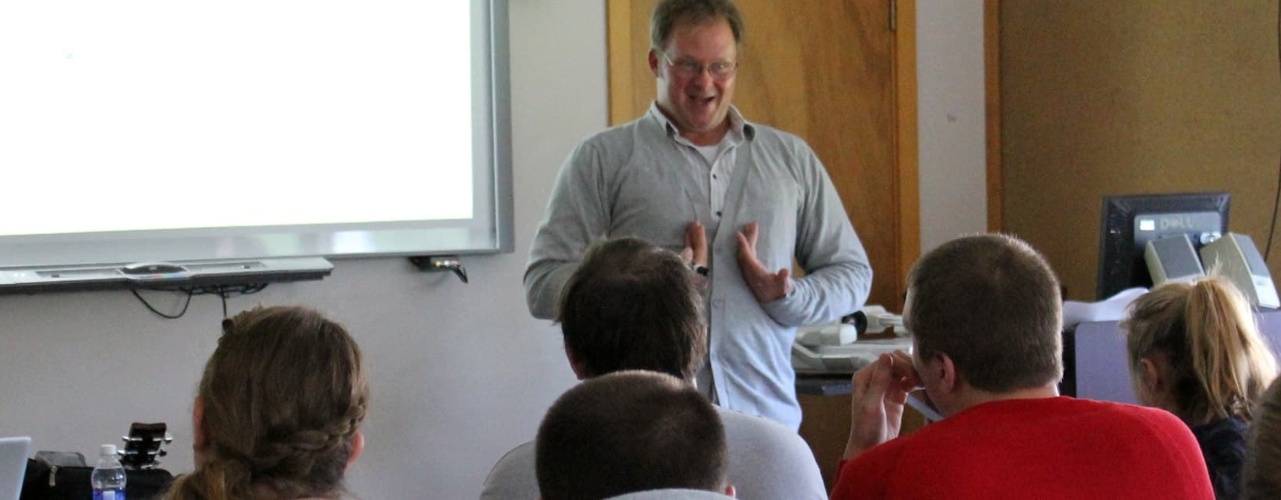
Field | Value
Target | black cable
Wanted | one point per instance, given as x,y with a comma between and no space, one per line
158,313
1276,202
223,292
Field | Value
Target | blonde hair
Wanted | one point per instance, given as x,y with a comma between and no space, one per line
1261,476
283,395
1219,363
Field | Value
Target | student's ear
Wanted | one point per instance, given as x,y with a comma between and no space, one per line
653,61
730,492
199,438
357,446
948,379
1150,376
580,368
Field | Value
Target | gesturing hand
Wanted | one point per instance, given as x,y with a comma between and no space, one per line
876,407
766,286
695,251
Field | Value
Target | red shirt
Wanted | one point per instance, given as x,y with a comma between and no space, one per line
1035,448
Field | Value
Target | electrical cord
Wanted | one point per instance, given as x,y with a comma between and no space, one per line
185,305
222,291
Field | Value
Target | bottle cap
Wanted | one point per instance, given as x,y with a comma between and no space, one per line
107,449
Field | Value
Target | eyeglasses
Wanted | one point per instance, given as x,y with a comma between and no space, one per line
719,71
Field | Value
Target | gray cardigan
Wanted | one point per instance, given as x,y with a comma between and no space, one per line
631,180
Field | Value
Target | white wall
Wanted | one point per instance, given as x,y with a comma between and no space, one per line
459,373
952,126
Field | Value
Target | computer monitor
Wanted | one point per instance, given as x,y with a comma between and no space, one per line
1130,221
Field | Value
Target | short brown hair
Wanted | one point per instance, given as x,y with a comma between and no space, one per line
991,303
668,13
632,305
283,396
1219,363
630,431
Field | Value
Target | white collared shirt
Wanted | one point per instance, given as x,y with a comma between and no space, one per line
715,161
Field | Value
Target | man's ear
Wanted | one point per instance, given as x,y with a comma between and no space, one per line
357,446
653,62
730,491
948,378
576,364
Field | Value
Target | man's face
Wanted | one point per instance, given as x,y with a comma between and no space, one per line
698,104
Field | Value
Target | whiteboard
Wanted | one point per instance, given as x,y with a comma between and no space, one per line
142,130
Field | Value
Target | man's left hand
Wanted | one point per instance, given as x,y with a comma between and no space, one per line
766,286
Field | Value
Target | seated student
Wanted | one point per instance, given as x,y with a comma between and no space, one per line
1196,352
633,305
1262,473
278,411
984,313
627,432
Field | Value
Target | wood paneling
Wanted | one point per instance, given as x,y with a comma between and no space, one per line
1142,96
992,102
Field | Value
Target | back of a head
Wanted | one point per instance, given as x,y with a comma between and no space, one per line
1219,363
282,395
630,431
991,303
1262,472
632,305
669,13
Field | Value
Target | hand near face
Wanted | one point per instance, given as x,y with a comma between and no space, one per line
767,286
876,408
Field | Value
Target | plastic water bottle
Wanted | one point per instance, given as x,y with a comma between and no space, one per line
108,477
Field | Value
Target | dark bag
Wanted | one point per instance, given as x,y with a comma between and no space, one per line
71,482
65,475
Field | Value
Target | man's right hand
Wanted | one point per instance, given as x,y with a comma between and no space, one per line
879,393
695,251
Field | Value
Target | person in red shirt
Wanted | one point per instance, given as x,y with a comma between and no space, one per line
985,313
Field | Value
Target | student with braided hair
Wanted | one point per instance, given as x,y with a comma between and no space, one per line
278,411
1195,351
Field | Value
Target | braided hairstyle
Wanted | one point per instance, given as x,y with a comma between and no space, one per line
283,395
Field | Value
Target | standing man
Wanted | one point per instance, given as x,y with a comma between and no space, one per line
693,173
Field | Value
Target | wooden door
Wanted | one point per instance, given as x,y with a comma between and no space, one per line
841,74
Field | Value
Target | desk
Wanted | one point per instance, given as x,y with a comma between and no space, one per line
1096,364
826,384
